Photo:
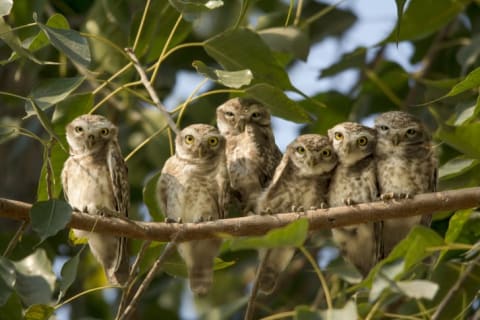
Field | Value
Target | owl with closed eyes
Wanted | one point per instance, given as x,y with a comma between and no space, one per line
355,181
406,165
95,181
193,187
300,182
252,154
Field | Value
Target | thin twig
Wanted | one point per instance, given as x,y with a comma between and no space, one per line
319,219
16,238
148,279
463,277
151,91
131,278
253,295
319,273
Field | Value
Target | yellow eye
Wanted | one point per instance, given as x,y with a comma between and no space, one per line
189,139
229,114
362,141
338,136
78,129
327,153
105,131
300,150
213,141
411,132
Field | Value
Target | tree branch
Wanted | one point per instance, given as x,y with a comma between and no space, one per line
257,224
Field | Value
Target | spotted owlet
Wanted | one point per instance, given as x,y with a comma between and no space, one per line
252,154
406,166
95,181
354,181
193,187
300,182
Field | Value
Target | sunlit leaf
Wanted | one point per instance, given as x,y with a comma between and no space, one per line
418,289
463,138
280,105
150,198
35,278
472,80
224,48
7,279
349,311
456,167
191,9
70,42
292,235
287,40
39,312
49,217
231,79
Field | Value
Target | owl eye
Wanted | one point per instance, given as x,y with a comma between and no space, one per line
300,150
78,129
338,136
411,132
213,141
229,114
327,153
362,141
256,115
105,131
383,128
189,139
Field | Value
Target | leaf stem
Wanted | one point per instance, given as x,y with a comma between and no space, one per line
140,27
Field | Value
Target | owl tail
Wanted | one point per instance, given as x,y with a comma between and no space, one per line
201,279
277,261
120,272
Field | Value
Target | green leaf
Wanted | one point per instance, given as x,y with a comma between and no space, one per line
68,273
423,17
456,166
52,91
70,42
7,35
400,6
150,198
472,80
231,79
349,311
49,217
463,138
224,48
191,9
456,224
280,105
292,235
12,310
7,279
5,7
418,289
354,59
287,40
35,278
39,312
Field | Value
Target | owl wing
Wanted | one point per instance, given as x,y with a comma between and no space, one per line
119,178
432,186
272,159
167,192
65,178
224,193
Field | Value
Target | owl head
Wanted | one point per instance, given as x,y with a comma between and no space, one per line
89,134
199,142
399,129
352,142
312,155
237,114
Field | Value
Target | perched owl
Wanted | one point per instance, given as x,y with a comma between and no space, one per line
406,166
354,181
300,182
252,154
95,181
194,187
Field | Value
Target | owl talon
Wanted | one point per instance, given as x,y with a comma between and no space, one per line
199,220
266,212
387,196
323,205
173,220
349,202
85,209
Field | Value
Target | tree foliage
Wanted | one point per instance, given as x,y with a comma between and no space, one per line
61,59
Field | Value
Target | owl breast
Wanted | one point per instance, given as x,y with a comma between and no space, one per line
403,175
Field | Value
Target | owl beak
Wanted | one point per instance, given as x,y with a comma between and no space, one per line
90,140
241,124
396,140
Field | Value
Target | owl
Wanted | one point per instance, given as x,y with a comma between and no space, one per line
95,181
300,182
406,165
252,154
193,187
355,181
